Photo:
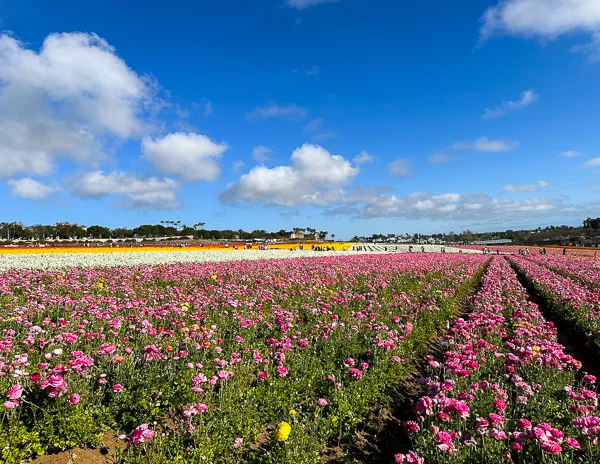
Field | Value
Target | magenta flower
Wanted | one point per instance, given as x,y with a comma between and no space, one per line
75,398
14,392
141,435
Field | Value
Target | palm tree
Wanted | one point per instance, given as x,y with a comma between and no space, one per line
333,237
178,224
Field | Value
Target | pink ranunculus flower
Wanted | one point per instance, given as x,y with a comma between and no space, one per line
141,435
74,398
550,447
282,371
322,402
14,392
572,443
10,404
117,388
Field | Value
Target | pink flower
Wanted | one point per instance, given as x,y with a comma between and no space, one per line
55,386
10,404
237,443
589,379
322,402
262,376
498,434
349,362
117,388
550,447
496,418
282,371
354,373
411,427
14,392
410,458
572,443
75,398
499,405
523,424
141,435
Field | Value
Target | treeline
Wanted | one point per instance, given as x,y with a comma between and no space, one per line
64,230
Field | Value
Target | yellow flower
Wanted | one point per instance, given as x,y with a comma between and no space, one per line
213,277
185,308
100,286
334,419
283,431
292,412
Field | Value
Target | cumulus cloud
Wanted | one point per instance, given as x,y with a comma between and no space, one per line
527,98
546,19
64,100
188,155
484,144
439,158
402,167
302,4
273,110
32,189
315,177
520,188
133,191
569,154
363,157
261,153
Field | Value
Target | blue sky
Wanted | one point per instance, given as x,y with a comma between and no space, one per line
351,116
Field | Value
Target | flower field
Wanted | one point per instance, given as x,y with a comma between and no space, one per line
504,390
254,361
276,361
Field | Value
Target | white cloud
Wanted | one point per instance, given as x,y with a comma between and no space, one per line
520,188
135,192
401,167
594,162
314,125
569,154
188,155
439,158
62,101
273,110
452,206
486,145
315,177
237,165
261,153
546,19
527,98
302,4
363,157
32,189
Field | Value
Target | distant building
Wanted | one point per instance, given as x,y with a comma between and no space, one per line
297,236
497,241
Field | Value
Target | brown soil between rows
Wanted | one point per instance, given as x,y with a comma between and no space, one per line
102,455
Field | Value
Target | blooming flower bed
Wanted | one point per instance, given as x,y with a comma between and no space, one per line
504,391
577,304
215,362
586,271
